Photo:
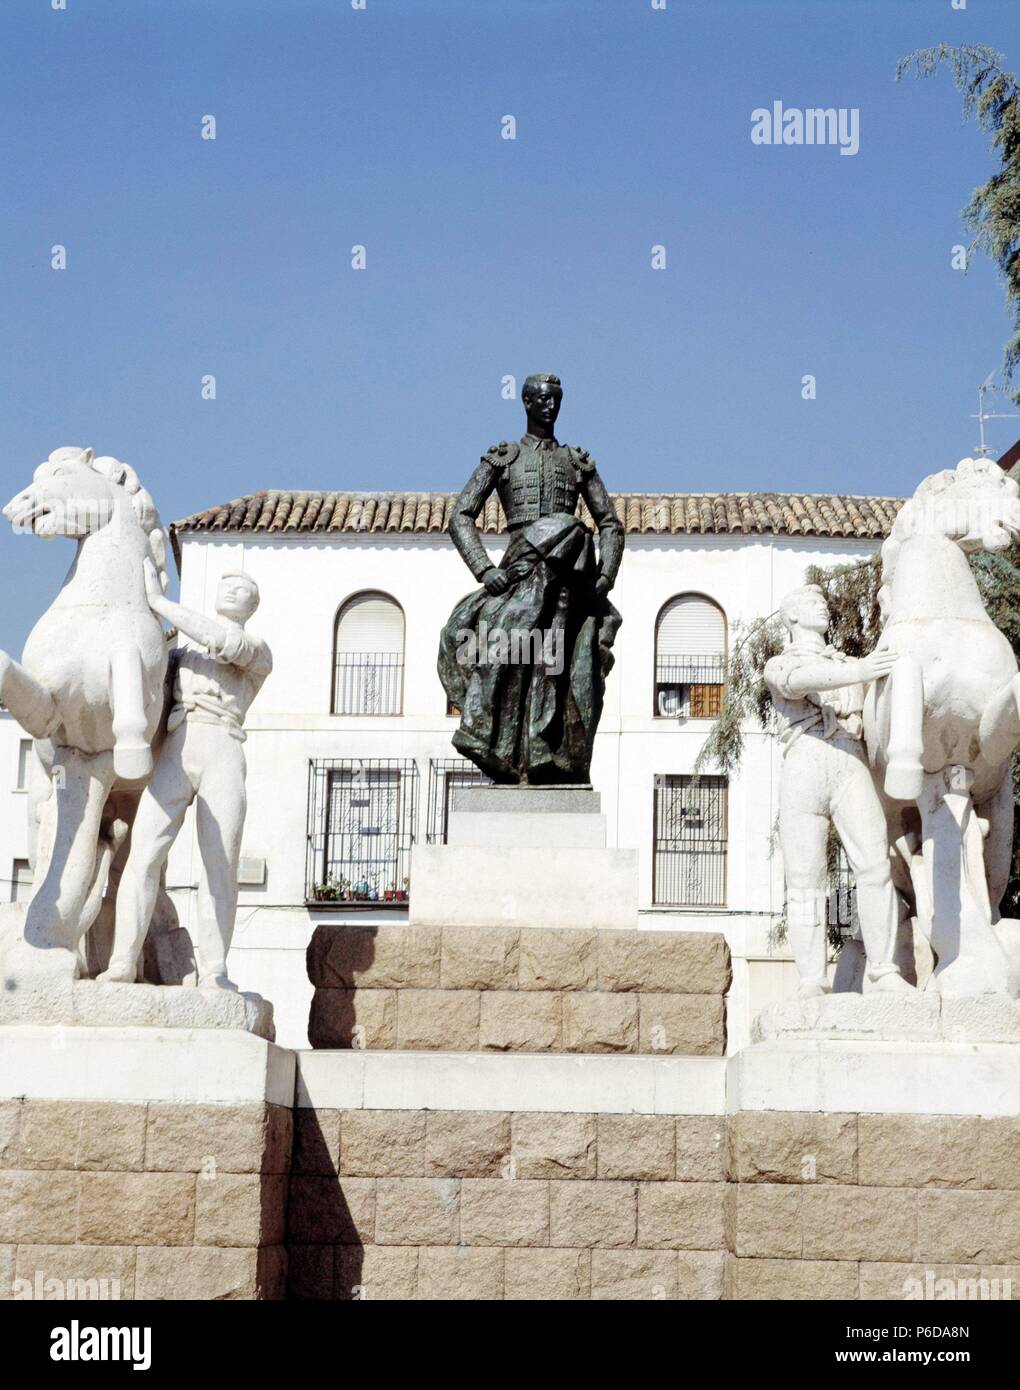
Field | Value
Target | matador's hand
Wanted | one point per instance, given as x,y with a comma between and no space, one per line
496,580
602,585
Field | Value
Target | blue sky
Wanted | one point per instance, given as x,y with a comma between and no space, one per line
381,127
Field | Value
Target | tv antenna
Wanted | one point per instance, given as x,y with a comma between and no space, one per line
982,450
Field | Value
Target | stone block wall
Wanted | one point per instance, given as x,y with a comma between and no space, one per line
847,1206
409,1204
530,1176
164,1200
159,1200
506,990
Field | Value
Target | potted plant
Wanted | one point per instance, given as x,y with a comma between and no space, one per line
402,892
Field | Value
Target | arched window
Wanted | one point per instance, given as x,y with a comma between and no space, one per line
690,658
368,656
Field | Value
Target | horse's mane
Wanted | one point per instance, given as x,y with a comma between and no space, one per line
144,508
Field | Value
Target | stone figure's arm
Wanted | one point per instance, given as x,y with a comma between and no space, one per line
227,642
239,648
593,489
466,510
795,677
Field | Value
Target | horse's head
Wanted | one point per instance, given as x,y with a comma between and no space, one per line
68,496
76,494
974,504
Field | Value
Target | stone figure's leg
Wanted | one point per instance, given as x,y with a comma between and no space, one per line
999,730
997,812
106,850
861,826
220,811
971,957
904,773
81,784
132,751
29,702
42,820
802,835
160,815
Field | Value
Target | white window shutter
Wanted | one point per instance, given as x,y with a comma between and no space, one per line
370,623
690,649
691,626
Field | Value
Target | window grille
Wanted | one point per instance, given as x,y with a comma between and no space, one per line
690,830
362,819
445,775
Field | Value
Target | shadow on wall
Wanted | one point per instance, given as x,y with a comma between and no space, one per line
338,961
326,1256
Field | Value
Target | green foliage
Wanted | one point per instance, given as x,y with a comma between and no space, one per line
992,96
746,695
851,591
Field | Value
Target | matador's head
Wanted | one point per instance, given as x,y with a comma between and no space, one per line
542,395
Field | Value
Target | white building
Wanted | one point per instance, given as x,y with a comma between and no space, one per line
349,753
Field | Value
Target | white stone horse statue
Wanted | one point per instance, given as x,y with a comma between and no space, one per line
941,727
89,688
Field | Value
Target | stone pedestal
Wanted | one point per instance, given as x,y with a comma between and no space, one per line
144,1163
924,1016
533,989
519,1177
560,872
873,1156
38,986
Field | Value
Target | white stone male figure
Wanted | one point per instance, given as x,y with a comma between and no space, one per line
818,694
202,761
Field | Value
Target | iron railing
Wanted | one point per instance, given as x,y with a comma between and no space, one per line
445,775
690,830
362,820
691,670
368,683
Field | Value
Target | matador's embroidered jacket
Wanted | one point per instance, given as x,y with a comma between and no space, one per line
535,478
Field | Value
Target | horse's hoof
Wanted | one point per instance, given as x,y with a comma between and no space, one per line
218,981
891,983
904,781
118,973
813,989
132,764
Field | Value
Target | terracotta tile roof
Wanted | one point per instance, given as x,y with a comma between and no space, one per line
271,513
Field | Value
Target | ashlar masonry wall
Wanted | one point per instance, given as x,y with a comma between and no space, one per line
492,1204
107,1199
